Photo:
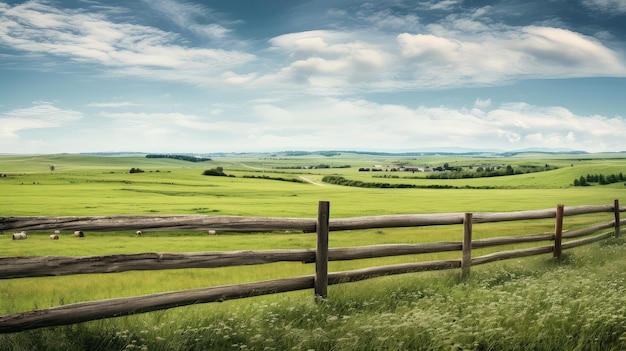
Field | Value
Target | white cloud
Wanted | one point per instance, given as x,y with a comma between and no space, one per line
111,104
315,124
386,19
500,55
41,115
482,104
610,7
562,50
328,60
462,50
126,49
395,54
439,4
187,16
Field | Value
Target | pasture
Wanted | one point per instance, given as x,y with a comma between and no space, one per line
378,314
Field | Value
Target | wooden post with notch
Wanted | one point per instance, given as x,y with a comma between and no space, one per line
616,211
466,261
321,251
558,231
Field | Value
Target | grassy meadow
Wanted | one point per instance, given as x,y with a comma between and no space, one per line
536,303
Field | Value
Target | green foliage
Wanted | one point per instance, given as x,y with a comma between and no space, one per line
135,170
218,171
447,172
293,180
600,178
529,304
360,184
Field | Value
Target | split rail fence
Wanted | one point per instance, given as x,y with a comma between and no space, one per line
39,266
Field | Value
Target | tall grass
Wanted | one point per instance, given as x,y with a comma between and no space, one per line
576,303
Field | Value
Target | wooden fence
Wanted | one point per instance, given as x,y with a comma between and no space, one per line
21,267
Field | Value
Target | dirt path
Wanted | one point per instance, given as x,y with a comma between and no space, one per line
311,182
301,177
255,168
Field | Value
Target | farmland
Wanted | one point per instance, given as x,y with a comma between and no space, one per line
290,185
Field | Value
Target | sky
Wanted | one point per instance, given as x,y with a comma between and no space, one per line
183,76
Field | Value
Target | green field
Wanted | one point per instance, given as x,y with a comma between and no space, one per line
515,305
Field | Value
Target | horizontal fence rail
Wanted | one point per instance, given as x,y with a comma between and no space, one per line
38,266
246,224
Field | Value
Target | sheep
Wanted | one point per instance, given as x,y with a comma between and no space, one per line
19,236
79,234
212,232
138,233
57,232
54,237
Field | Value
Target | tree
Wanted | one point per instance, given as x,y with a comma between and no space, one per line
218,171
509,170
52,168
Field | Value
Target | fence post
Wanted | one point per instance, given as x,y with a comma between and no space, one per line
616,211
558,231
466,261
321,251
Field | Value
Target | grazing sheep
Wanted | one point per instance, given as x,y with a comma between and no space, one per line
139,233
212,232
54,237
79,234
19,236
57,232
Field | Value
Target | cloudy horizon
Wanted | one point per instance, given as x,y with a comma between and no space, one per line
243,76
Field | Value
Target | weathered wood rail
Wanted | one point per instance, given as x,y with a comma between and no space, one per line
22,267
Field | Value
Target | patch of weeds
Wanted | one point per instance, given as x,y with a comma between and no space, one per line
613,242
502,277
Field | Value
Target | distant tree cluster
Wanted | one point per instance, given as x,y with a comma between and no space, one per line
218,172
482,172
337,180
357,183
136,170
180,157
600,179
294,180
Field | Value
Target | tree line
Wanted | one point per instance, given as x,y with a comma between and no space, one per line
600,179
337,180
483,172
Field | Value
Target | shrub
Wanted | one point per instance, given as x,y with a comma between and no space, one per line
218,171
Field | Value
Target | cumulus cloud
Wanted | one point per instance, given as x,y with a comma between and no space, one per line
390,52
41,115
502,55
328,59
266,124
125,49
461,50
376,126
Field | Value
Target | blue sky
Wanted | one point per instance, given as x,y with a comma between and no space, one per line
248,75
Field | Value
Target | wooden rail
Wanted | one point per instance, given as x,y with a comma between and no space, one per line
22,267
